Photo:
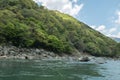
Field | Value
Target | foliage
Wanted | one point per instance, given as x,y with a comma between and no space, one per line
24,23
117,50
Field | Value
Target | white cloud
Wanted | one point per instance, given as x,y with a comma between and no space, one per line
93,26
101,28
114,35
109,32
112,30
118,35
118,18
65,6
75,1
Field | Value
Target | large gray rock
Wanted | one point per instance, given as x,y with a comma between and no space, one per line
84,59
37,51
100,60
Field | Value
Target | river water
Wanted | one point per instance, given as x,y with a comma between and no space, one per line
58,70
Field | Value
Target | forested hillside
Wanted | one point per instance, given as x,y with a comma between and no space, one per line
25,24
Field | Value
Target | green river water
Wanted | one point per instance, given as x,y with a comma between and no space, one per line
58,70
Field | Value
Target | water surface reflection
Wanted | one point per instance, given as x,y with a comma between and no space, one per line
58,70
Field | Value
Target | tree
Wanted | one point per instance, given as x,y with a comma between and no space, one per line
55,43
93,49
117,49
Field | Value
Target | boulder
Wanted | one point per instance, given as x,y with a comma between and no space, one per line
84,59
100,60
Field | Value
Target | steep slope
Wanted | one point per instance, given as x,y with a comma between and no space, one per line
24,23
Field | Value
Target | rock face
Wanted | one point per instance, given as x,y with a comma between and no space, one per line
12,52
24,53
84,59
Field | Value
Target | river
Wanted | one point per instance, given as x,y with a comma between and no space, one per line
58,70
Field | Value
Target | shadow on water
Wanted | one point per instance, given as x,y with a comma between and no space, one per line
48,70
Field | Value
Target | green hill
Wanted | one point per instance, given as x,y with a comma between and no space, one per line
25,24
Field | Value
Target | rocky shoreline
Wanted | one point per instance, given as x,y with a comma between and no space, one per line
12,52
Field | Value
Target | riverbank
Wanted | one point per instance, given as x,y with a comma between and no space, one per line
12,52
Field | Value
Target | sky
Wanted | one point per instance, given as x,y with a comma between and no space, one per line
101,15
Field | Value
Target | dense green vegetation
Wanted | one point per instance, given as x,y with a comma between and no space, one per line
117,50
25,24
